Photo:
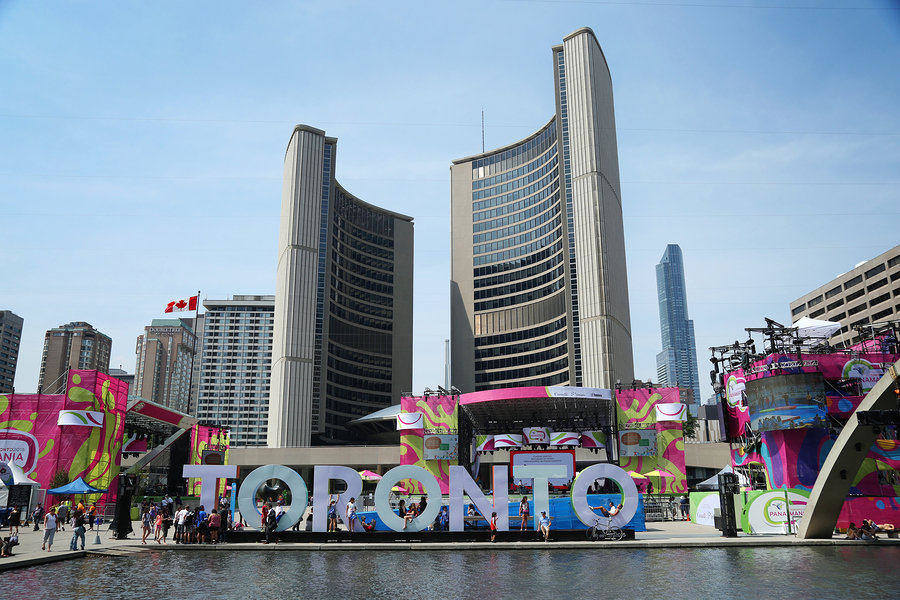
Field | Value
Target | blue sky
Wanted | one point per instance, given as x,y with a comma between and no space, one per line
141,145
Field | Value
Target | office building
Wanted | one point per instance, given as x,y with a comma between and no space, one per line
539,290
123,375
676,365
866,294
342,343
75,345
10,338
236,363
162,372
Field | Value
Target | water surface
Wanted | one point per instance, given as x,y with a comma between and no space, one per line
777,573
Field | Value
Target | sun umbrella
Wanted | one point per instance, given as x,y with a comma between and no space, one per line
661,475
636,475
399,489
368,475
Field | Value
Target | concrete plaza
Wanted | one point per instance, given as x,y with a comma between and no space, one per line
677,534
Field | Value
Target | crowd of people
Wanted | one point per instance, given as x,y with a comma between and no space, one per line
192,525
868,530
55,519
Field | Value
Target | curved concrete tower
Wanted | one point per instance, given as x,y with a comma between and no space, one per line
539,290
342,341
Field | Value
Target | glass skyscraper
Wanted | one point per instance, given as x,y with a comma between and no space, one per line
676,365
539,290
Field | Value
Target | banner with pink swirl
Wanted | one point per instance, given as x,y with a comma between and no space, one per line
439,415
636,409
53,454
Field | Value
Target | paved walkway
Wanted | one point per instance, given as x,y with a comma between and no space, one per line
659,535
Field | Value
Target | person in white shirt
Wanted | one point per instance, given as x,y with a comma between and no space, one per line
180,518
351,514
49,529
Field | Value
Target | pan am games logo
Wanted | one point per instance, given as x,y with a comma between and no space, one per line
19,447
734,391
775,511
867,373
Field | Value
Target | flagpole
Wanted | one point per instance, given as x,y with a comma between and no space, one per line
194,354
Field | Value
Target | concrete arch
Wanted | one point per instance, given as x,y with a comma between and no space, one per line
844,461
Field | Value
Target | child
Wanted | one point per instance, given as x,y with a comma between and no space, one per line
493,526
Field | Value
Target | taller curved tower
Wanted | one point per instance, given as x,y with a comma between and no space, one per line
342,340
539,290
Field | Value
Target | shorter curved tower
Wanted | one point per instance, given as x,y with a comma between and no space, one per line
539,290
342,342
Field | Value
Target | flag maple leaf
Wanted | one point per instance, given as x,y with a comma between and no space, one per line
181,304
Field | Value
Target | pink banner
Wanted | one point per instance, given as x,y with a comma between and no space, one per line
637,408
440,416
881,510
53,454
209,446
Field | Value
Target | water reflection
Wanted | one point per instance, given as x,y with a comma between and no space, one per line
820,572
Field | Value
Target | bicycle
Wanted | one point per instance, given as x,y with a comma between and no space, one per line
611,533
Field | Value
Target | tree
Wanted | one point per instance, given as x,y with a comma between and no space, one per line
60,478
689,427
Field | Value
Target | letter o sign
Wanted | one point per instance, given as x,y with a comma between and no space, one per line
383,504
247,495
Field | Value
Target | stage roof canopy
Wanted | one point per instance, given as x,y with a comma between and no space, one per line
559,408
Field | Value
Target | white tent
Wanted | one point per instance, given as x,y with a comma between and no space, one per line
815,328
19,478
713,482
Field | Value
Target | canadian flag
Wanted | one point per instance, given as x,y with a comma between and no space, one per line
183,304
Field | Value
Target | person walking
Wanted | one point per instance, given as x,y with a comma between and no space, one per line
50,522
685,508
92,516
146,523
62,516
37,514
493,526
15,518
78,530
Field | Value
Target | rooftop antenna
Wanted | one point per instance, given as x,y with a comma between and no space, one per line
482,131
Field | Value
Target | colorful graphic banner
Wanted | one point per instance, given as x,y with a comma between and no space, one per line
442,446
565,438
536,435
508,440
769,511
85,418
441,414
736,413
484,443
593,439
209,446
882,510
637,409
415,420
791,401
703,506
32,438
674,411
637,442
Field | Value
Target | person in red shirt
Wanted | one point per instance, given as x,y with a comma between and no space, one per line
493,526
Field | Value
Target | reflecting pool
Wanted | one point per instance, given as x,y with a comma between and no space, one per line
777,573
